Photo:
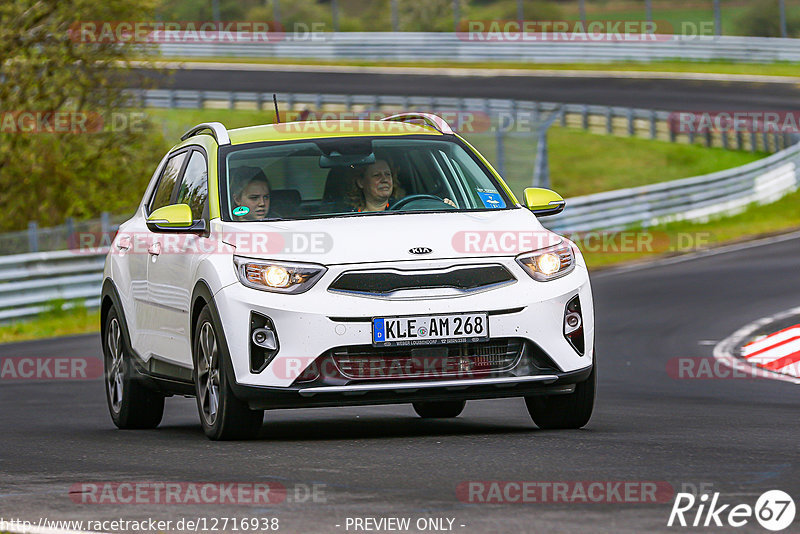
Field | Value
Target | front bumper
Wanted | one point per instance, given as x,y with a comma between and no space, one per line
260,398
310,324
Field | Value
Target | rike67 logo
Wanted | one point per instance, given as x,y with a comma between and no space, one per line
774,510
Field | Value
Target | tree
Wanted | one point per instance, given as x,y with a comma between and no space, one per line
48,72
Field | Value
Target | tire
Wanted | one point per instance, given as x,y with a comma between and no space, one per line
573,410
132,405
223,416
439,410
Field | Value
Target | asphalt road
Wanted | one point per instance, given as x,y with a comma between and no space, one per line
737,437
645,93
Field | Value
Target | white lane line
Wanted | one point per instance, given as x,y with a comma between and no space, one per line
725,349
466,71
724,249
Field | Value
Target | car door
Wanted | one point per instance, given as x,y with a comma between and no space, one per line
173,262
148,312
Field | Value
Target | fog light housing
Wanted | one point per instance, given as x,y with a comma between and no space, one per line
263,342
573,325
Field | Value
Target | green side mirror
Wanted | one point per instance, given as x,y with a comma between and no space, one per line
173,218
543,202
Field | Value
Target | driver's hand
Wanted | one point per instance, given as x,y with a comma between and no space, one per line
448,201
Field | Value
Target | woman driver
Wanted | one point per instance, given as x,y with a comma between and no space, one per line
374,186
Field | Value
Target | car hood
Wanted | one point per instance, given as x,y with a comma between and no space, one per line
389,238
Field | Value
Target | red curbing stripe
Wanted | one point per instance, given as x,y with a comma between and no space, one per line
776,345
772,334
783,362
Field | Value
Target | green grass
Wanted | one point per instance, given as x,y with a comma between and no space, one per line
67,322
682,237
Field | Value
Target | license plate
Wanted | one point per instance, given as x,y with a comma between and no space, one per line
430,329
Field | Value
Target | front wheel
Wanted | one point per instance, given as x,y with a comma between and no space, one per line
223,416
131,404
573,410
439,410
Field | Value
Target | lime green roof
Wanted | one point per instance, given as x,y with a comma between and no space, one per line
289,131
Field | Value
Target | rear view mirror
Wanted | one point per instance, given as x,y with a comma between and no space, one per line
337,159
174,218
543,202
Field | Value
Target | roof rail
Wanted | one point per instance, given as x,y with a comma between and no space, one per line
430,119
218,131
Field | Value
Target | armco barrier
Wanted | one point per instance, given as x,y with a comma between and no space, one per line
420,47
28,282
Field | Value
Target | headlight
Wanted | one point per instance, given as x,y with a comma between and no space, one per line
278,277
549,263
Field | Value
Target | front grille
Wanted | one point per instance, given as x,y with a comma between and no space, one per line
387,281
465,360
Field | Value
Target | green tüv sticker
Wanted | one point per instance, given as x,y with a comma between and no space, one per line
241,210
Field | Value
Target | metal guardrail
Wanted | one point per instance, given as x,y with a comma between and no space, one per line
693,199
30,283
422,46
614,120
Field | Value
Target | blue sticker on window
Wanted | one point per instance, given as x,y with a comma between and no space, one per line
378,332
492,200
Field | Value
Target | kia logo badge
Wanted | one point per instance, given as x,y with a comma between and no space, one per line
420,250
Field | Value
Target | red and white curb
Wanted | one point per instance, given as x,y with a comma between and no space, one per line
775,356
779,352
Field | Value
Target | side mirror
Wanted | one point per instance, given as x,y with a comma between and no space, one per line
174,218
543,202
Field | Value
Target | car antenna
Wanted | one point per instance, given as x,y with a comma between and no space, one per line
277,113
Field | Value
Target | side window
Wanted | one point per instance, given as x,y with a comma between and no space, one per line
194,186
163,194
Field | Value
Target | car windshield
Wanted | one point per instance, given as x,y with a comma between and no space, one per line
351,176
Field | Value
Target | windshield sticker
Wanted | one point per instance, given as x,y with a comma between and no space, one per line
492,200
241,211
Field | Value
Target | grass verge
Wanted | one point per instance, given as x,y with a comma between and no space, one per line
63,323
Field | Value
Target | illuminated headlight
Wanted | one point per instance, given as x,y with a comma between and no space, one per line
549,263
278,277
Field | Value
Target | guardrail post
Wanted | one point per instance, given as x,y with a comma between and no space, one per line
201,101
717,19
231,100
724,136
753,141
171,98
335,15
585,117
709,139
105,224
260,101
395,17
69,222
348,102
739,140
631,124
765,140
653,132
691,136
33,237
777,142
500,149
782,9
289,102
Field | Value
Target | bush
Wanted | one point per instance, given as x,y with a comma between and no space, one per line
762,19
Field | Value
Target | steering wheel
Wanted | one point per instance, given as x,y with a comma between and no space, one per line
413,198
